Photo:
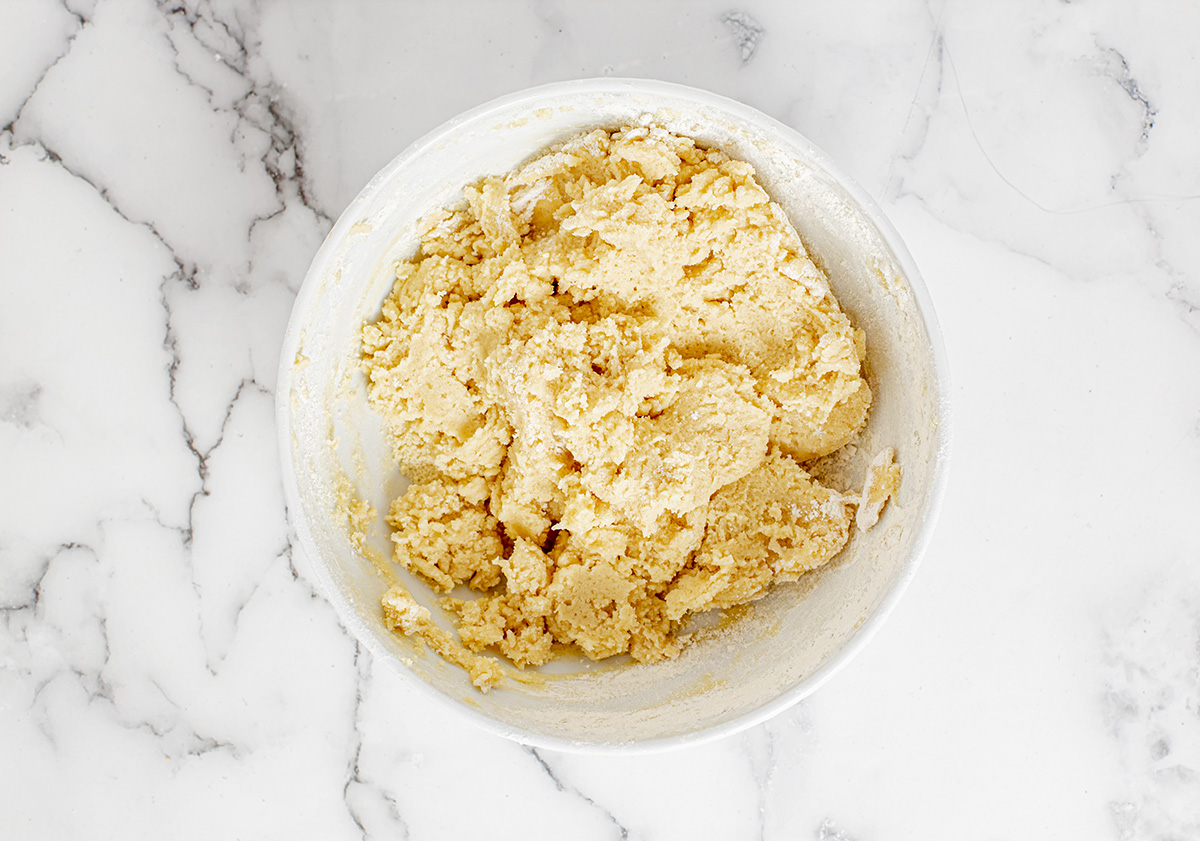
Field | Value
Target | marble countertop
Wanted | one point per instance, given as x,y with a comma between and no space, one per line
168,170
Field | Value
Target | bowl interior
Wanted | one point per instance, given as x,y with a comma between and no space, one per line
739,670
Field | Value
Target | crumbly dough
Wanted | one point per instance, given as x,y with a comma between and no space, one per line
881,484
604,375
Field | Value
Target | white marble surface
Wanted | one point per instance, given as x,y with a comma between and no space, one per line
166,670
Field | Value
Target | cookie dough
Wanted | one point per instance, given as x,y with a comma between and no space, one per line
604,374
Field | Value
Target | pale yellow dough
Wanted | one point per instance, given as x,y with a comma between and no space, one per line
604,374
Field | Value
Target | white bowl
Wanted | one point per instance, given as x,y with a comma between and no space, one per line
783,646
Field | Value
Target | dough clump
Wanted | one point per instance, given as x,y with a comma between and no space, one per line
604,374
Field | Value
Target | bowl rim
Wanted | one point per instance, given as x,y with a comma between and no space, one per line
307,295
